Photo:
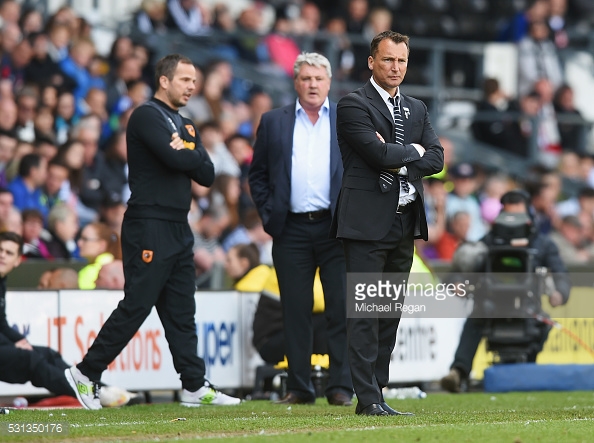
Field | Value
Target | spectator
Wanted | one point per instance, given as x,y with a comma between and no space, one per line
99,245
34,245
150,19
8,114
462,199
251,231
190,17
22,149
212,139
117,81
8,144
571,241
455,234
76,66
26,187
27,102
59,39
31,21
63,227
66,116
111,276
116,156
112,212
489,124
523,129
571,124
57,175
6,203
95,184
58,278
13,222
208,253
537,59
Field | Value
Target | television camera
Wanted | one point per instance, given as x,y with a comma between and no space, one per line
508,290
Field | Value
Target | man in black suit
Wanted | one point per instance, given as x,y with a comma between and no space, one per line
295,179
380,211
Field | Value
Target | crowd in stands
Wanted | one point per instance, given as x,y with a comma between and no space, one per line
64,109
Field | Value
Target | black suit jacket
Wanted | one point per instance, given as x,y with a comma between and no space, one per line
270,172
364,212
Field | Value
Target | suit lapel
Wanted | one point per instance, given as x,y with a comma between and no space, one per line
335,159
376,101
287,128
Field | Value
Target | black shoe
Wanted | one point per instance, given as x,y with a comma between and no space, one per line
392,411
293,399
372,409
340,398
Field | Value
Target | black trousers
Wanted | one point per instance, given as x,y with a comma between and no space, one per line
304,246
371,340
166,281
42,366
274,350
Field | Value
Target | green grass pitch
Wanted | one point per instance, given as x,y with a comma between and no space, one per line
476,417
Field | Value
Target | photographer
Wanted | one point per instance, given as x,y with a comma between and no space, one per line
545,255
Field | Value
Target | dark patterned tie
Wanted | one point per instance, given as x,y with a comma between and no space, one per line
387,178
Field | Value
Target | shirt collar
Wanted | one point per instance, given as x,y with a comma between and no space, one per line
325,106
382,92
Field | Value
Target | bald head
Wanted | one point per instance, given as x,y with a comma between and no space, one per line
61,278
111,276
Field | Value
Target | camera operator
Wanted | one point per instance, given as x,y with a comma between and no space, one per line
546,255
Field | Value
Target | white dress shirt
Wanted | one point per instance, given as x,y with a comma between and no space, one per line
310,170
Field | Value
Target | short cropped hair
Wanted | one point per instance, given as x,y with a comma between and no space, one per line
312,59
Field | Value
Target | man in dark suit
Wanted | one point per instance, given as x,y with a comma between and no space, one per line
380,211
295,179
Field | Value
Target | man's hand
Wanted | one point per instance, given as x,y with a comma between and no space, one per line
23,344
379,136
176,142
419,148
556,299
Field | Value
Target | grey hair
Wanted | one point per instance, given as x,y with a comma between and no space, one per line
312,59
58,213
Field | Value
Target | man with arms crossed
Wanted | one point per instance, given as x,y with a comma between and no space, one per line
380,210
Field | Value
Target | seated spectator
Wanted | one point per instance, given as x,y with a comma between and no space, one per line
22,149
208,253
462,198
538,58
190,17
571,124
26,187
58,278
13,222
251,231
489,124
63,227
57,175
99,245
212,139
243,266
111,276
456,232
35,246
571,241
21,362
8,144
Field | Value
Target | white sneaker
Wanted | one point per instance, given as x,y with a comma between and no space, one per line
207,395
87,391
